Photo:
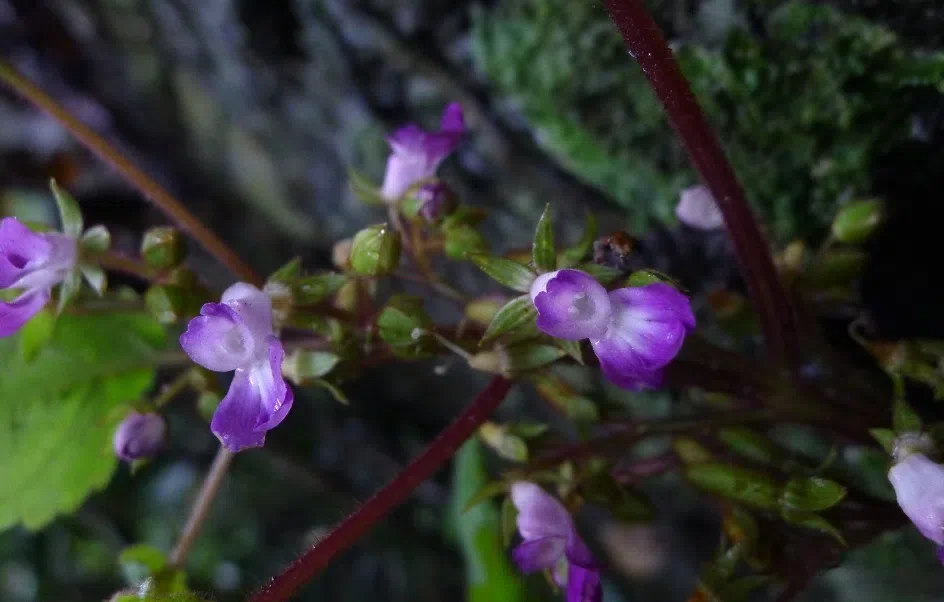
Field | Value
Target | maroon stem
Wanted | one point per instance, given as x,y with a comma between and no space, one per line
648,47
312,562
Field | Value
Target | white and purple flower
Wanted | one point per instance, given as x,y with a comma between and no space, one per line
417,153
31,263
551,542
140,436
236,334
919,486
697,208
634,331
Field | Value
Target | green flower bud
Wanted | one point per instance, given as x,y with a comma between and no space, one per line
857,221
376,251
463,240
163,247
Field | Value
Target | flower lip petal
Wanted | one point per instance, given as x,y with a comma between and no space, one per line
234,422
578,553
219,339
277,396
540,514
583,584
538,554
15,314
571,305
919,489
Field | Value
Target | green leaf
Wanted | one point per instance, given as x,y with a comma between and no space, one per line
59,409
562,396
35,334
490,577
69,213
515,314
506,272
813,521
738,484
401,325
509,521
543,252
576,253
531,355
571,348
463,240
485,492
364,189
302,366
69,290
885,438
751,444
690,451
138,562
904,419
812,494
335,391
318,287
505,444
95,277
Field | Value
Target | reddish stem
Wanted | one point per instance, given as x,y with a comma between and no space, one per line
443,447
648,47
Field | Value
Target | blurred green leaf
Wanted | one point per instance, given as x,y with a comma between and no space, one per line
506,444
738,484
489,573
543,253
69,213
529,356
35,334
572,255
512,317
59,409
904,419
812,494
318,287
885,438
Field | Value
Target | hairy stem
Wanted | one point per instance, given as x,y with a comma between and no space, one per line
649,48
201,507
352,528
150,189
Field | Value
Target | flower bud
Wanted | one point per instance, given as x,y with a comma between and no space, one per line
435,201
163,247
857,221
919,489
375,251
140,436
341,254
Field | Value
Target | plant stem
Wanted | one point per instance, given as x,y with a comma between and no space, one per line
649,48
443,447
150,189
111,260
201,507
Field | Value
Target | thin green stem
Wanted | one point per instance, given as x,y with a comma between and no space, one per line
146,185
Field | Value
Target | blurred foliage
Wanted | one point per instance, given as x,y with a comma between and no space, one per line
63,390
804,99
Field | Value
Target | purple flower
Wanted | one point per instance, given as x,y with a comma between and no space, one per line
634,331
551,539
140,436
697,208
919,487
236,334
32,263
417,153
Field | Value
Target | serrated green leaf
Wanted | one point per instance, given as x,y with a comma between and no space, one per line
573,255
510,318
905,420
69,213
58,411
812,494
506,272
738,484
543,252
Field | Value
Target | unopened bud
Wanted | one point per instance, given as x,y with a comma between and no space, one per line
463,240
163,247
376,251
857,221
140,436
435,201
341,254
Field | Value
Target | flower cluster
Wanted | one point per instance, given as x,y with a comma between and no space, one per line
32,264
417,153
236,334
551,542
634,331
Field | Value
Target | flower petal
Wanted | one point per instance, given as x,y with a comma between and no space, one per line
404,170
219,339
578,553
698,209
21,251
540,514
15,314
255,308
919,487
539,554
571,305
646,331
583,585
257,401
453,120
